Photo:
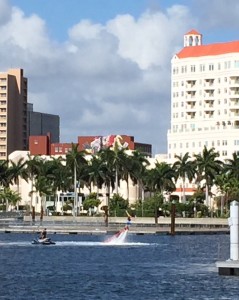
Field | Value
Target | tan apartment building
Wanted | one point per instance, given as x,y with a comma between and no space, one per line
13,112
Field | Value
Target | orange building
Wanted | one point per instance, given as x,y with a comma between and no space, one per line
13,112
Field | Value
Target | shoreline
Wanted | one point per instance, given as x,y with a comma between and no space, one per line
96,226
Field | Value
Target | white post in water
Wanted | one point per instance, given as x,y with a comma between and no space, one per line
234,230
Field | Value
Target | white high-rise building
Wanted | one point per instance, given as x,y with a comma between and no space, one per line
204,98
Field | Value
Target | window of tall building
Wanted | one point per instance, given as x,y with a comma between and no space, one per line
211,67
3,95
236,63
224,142
3,79
236,142
202,68
193,68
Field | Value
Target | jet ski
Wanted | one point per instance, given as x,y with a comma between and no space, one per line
46,241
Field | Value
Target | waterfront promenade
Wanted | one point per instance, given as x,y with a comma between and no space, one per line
96,225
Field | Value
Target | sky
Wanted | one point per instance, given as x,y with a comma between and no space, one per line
103,66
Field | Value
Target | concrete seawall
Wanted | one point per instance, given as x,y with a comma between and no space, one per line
96,225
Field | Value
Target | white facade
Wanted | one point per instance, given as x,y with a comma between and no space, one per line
29,198
204,98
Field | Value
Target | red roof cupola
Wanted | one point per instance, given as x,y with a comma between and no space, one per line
192,38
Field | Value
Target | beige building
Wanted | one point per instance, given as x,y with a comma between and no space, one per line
204,98
13,112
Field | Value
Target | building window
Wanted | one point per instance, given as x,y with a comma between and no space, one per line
224,142
202,68
193,68
56,149
236,142
236,63
211,67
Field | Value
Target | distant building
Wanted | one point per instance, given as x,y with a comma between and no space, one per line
205,98
13,112
95,143
41,145
40,124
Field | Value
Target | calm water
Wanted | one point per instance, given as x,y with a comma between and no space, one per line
145,267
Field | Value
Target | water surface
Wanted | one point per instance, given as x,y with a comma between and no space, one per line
144,267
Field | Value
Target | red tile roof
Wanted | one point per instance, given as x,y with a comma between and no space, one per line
193,31
209,50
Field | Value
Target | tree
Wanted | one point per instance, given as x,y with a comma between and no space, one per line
17,170
93,174
185,169
231,167
9,197
161,178
75,160
208,166
32,170
138,164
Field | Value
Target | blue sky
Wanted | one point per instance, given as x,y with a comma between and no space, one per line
104,65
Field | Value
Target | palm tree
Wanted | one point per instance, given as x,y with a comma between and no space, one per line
161,178
9,197
185,169
18,170
32,170
93,174
137,167
232,166
75,160
208,166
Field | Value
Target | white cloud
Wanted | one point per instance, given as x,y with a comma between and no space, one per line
5,12
105,79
